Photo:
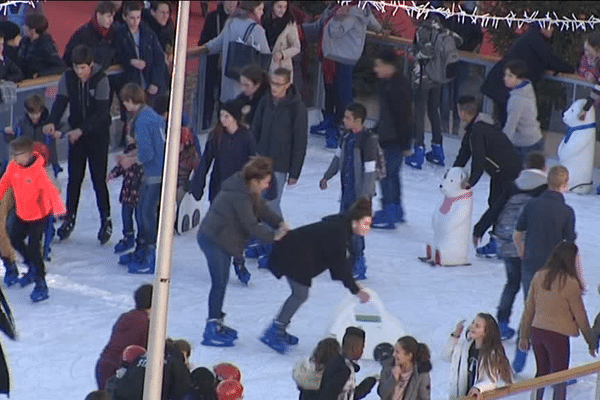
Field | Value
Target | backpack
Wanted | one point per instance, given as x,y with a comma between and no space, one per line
436,53
380,169
507,220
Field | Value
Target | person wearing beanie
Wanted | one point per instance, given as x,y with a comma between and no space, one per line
12,39
306,252
229,147
98,34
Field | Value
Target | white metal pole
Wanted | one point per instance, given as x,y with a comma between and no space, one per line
164,251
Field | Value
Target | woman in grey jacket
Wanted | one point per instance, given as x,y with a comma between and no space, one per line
249,12
405,376
235,215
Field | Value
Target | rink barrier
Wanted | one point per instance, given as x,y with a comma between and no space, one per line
531,385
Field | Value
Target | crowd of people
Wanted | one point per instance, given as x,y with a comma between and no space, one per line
257,147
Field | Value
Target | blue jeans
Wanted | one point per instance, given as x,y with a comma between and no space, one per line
127,215
511,287
281,178
528,270
342,82
218,265
390,185
147,214
524,150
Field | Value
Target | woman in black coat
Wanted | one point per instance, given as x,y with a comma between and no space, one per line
306,252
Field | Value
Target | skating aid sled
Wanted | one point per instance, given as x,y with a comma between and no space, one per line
434,259
382,328
188,214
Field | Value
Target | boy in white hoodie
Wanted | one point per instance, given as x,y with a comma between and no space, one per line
522,126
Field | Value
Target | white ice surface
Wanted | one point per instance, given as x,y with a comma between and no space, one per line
61,338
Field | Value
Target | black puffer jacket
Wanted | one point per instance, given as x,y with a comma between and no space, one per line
40,57
103,47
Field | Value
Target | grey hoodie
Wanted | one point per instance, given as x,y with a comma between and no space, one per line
234,216
522,126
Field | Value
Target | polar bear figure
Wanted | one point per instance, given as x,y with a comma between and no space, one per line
452,221
576,150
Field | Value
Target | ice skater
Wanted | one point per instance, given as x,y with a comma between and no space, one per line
305,253
235,215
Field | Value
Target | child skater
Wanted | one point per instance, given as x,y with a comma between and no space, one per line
554,310
229,146
130,193
478,358
35,198
405,376
305,253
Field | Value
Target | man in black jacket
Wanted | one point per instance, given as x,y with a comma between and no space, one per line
213,25
85,89
280,126
489,149
395,134
535,49
339,378
98,35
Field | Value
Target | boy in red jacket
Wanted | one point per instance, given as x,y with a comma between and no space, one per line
36,198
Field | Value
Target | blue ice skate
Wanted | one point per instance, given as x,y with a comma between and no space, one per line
489,250
519,361
436,155
40,291
385,218
226,330
332,137
11,276
145,266
242,272
127,243
321,127
29,277
213,335
416,159
274,337
506,332
132,256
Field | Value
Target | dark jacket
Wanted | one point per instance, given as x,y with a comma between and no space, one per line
250,104
103,47
529,182
395,112
40,57
149,51
234,216
547,221
131,328
88,104
213,25
164,34
9,71
176,378
307,251
417,388
336,375
490,150
471,34
12,53
25,127
536,51
229,153
281,130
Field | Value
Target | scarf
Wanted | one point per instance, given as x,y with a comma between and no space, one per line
275,26
448,201
100,29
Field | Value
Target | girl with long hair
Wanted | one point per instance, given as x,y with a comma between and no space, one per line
405,376
307,372
554,310
478,359
282,35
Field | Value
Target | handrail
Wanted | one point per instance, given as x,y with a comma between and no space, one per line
475,57
542,381
112,70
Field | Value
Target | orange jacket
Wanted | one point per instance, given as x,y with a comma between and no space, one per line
35,195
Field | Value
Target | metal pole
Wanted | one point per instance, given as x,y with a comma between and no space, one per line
162,277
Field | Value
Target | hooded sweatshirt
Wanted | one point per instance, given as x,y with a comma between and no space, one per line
522,126
35,195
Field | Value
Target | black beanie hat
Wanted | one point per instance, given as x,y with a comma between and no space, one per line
10,30
233,107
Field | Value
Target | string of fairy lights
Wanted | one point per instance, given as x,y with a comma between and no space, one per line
422,11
